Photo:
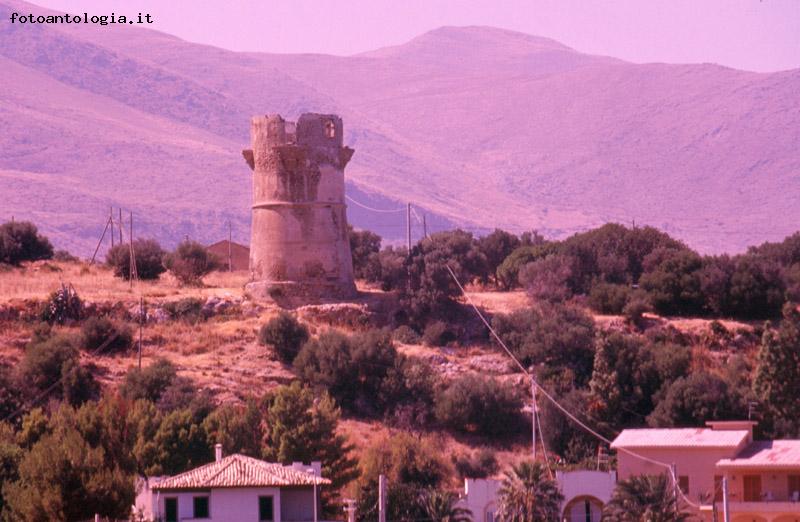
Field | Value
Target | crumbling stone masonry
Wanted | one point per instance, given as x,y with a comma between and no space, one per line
299,248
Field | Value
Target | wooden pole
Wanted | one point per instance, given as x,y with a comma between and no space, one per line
230,251
120,225
425,226
108,222
381,498
111,217
726,515
141,327
533,416
408,227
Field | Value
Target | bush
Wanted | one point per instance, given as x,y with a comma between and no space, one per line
56,360
438,333
607,298
63,306
149,259
284,333
352,369
693,400
479,405
548,279
64,257
557,336
479,464
638,304
20,241
101,331
150,382
508,271
496,247
189,309
364,246
672,280
406,335
190,262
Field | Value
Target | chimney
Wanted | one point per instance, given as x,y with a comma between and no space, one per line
217,452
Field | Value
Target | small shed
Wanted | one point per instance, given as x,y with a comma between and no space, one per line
225,251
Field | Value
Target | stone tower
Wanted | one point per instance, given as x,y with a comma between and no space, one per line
299,248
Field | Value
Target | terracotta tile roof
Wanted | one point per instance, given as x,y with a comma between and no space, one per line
239,471
680,438
766,454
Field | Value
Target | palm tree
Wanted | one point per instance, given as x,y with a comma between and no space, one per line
528,495
440,506
644,498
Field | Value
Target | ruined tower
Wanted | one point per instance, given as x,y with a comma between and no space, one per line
299,247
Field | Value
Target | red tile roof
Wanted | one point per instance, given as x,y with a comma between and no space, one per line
240,471
680,438
766,454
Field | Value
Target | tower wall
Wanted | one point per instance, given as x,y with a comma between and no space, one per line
299,247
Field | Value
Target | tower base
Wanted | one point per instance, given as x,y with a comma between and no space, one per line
292,293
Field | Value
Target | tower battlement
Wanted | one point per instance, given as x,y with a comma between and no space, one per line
299,247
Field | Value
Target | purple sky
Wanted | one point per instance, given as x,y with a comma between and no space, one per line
757,35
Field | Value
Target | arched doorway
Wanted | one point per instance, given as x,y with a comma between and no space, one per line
583,509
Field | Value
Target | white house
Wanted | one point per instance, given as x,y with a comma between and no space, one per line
585,493
236,488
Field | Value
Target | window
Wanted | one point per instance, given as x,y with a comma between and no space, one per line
752,488
201,507
490,516
683,483
330,129
265,509
171,509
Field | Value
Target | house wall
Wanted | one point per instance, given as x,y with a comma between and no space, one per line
776,482
699,464
480,497
225,504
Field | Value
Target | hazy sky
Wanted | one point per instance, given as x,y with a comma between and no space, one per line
758,35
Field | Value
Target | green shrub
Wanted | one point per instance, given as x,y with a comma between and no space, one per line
406,335
149,259
65,257
150,382
21,241
98,332
479,464
480,405
189,309
364,245
190,262
607,298
63,306
438,333
286,334
638,304
56,360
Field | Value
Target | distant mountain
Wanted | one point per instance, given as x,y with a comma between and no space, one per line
478,127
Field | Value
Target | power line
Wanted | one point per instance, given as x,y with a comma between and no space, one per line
385,211
566,412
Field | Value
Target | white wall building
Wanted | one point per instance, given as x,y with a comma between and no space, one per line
236,488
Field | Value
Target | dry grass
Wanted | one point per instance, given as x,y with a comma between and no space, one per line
97,283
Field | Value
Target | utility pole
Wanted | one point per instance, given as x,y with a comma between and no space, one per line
230,252
381,498
674,470
533,415
725,509
141,327
111,218
108,221
408,227
425,226
120,225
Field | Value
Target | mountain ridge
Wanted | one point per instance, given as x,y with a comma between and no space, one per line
521,132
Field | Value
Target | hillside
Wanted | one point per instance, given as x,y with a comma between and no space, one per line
125,116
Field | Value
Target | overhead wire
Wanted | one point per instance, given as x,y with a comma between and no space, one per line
367,207
555,403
